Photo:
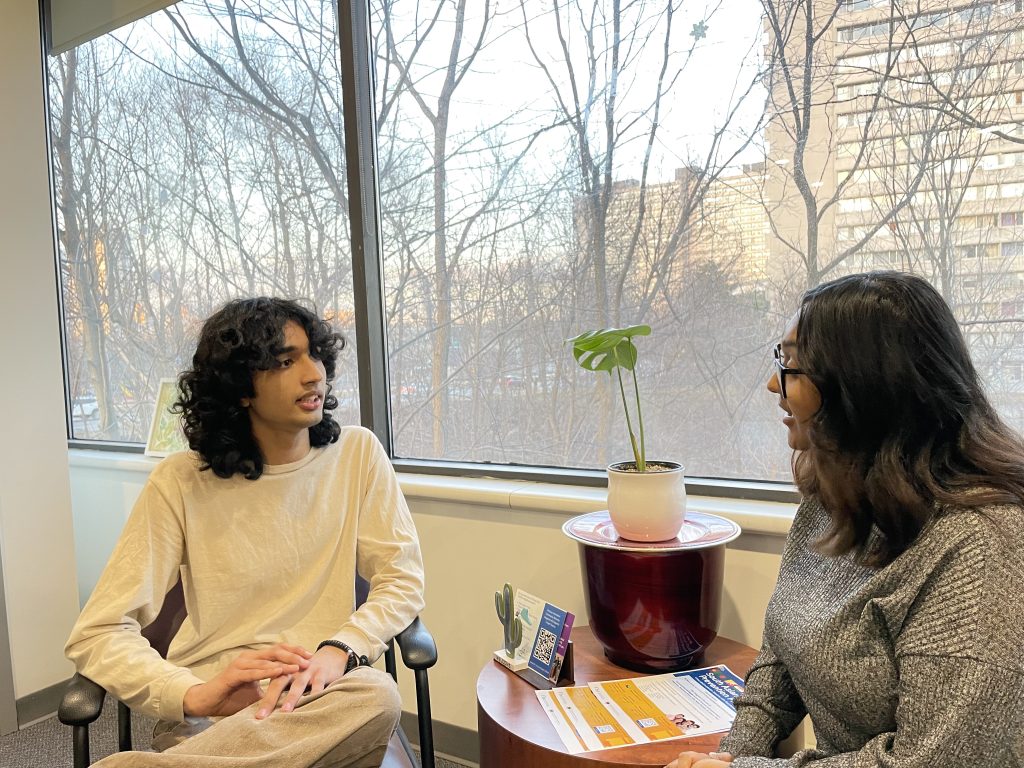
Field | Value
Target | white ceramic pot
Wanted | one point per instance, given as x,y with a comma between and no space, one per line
646,506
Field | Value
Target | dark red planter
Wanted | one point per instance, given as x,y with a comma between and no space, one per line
655,607
654,611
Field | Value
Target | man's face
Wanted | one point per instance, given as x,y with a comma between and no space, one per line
289,399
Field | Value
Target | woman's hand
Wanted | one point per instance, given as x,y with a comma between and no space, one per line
701,760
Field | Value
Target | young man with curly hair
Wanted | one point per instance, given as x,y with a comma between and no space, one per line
266,522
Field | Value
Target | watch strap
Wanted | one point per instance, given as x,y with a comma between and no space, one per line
354,659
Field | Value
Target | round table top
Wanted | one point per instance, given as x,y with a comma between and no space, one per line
700,530
511,704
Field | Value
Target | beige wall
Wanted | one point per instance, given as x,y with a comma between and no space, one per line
35,508
475,535
470,551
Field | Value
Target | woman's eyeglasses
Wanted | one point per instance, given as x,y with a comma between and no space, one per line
782,370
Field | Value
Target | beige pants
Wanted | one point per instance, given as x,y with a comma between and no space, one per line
346,726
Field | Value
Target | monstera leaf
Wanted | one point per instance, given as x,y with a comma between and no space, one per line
608,349
612,350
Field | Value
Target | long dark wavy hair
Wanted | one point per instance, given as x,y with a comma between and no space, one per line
243,337
904,427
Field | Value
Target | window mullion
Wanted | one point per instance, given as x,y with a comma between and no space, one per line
364,215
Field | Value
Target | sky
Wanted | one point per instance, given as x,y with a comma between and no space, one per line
508,79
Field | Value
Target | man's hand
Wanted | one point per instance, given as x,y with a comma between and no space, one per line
326,665
238,686
701,760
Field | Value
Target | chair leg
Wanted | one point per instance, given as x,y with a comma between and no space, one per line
124,728
407,746
425,723
80,745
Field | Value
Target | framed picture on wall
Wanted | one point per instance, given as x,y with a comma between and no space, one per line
165,435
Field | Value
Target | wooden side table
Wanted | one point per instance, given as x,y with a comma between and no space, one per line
516,733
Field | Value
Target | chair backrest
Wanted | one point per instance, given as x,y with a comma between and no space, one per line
362,590
165,626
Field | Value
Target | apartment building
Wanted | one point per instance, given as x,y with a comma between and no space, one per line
903,148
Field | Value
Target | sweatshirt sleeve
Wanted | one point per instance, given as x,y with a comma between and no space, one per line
768,709
105,644
388,557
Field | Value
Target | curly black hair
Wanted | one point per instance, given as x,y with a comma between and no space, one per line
243,337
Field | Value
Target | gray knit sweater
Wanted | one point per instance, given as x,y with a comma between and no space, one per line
919,663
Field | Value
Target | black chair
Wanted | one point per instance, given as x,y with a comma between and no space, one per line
83,700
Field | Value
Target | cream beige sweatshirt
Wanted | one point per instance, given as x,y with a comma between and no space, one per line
261,561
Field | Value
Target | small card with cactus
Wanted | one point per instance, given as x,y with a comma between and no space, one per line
536,633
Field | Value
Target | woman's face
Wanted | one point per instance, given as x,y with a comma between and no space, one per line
802,398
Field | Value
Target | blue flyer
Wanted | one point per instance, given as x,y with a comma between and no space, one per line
543,655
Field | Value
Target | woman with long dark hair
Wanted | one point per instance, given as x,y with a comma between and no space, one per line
895,623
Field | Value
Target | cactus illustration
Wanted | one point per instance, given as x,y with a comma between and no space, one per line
513,627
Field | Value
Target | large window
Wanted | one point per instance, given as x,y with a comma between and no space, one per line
198,157
544,168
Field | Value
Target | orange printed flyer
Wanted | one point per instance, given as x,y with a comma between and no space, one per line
640,710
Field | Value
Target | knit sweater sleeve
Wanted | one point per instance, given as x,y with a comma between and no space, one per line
958,654
767,711
952,711
105,644
388,556
770,706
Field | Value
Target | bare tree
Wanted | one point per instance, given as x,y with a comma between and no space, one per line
592,56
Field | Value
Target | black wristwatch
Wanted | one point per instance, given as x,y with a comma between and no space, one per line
354,659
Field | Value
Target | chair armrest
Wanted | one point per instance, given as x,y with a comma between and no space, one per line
417,646
82,701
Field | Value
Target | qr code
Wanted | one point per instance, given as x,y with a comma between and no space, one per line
545,646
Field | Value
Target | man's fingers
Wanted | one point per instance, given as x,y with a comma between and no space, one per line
296,649
296,688
271,668
292,654
318,682
273,693
318,685
285,655
237,675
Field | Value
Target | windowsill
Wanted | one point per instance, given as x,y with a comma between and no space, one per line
758,517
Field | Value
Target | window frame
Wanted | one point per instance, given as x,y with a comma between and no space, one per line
359,121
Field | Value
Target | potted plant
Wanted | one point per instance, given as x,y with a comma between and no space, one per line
646,499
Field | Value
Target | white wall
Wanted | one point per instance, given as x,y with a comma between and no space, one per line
35,508
475,536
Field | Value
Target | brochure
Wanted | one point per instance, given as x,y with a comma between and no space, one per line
545,639
529,609
544,657
640,710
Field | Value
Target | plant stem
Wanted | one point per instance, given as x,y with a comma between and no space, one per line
642,463
637,457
